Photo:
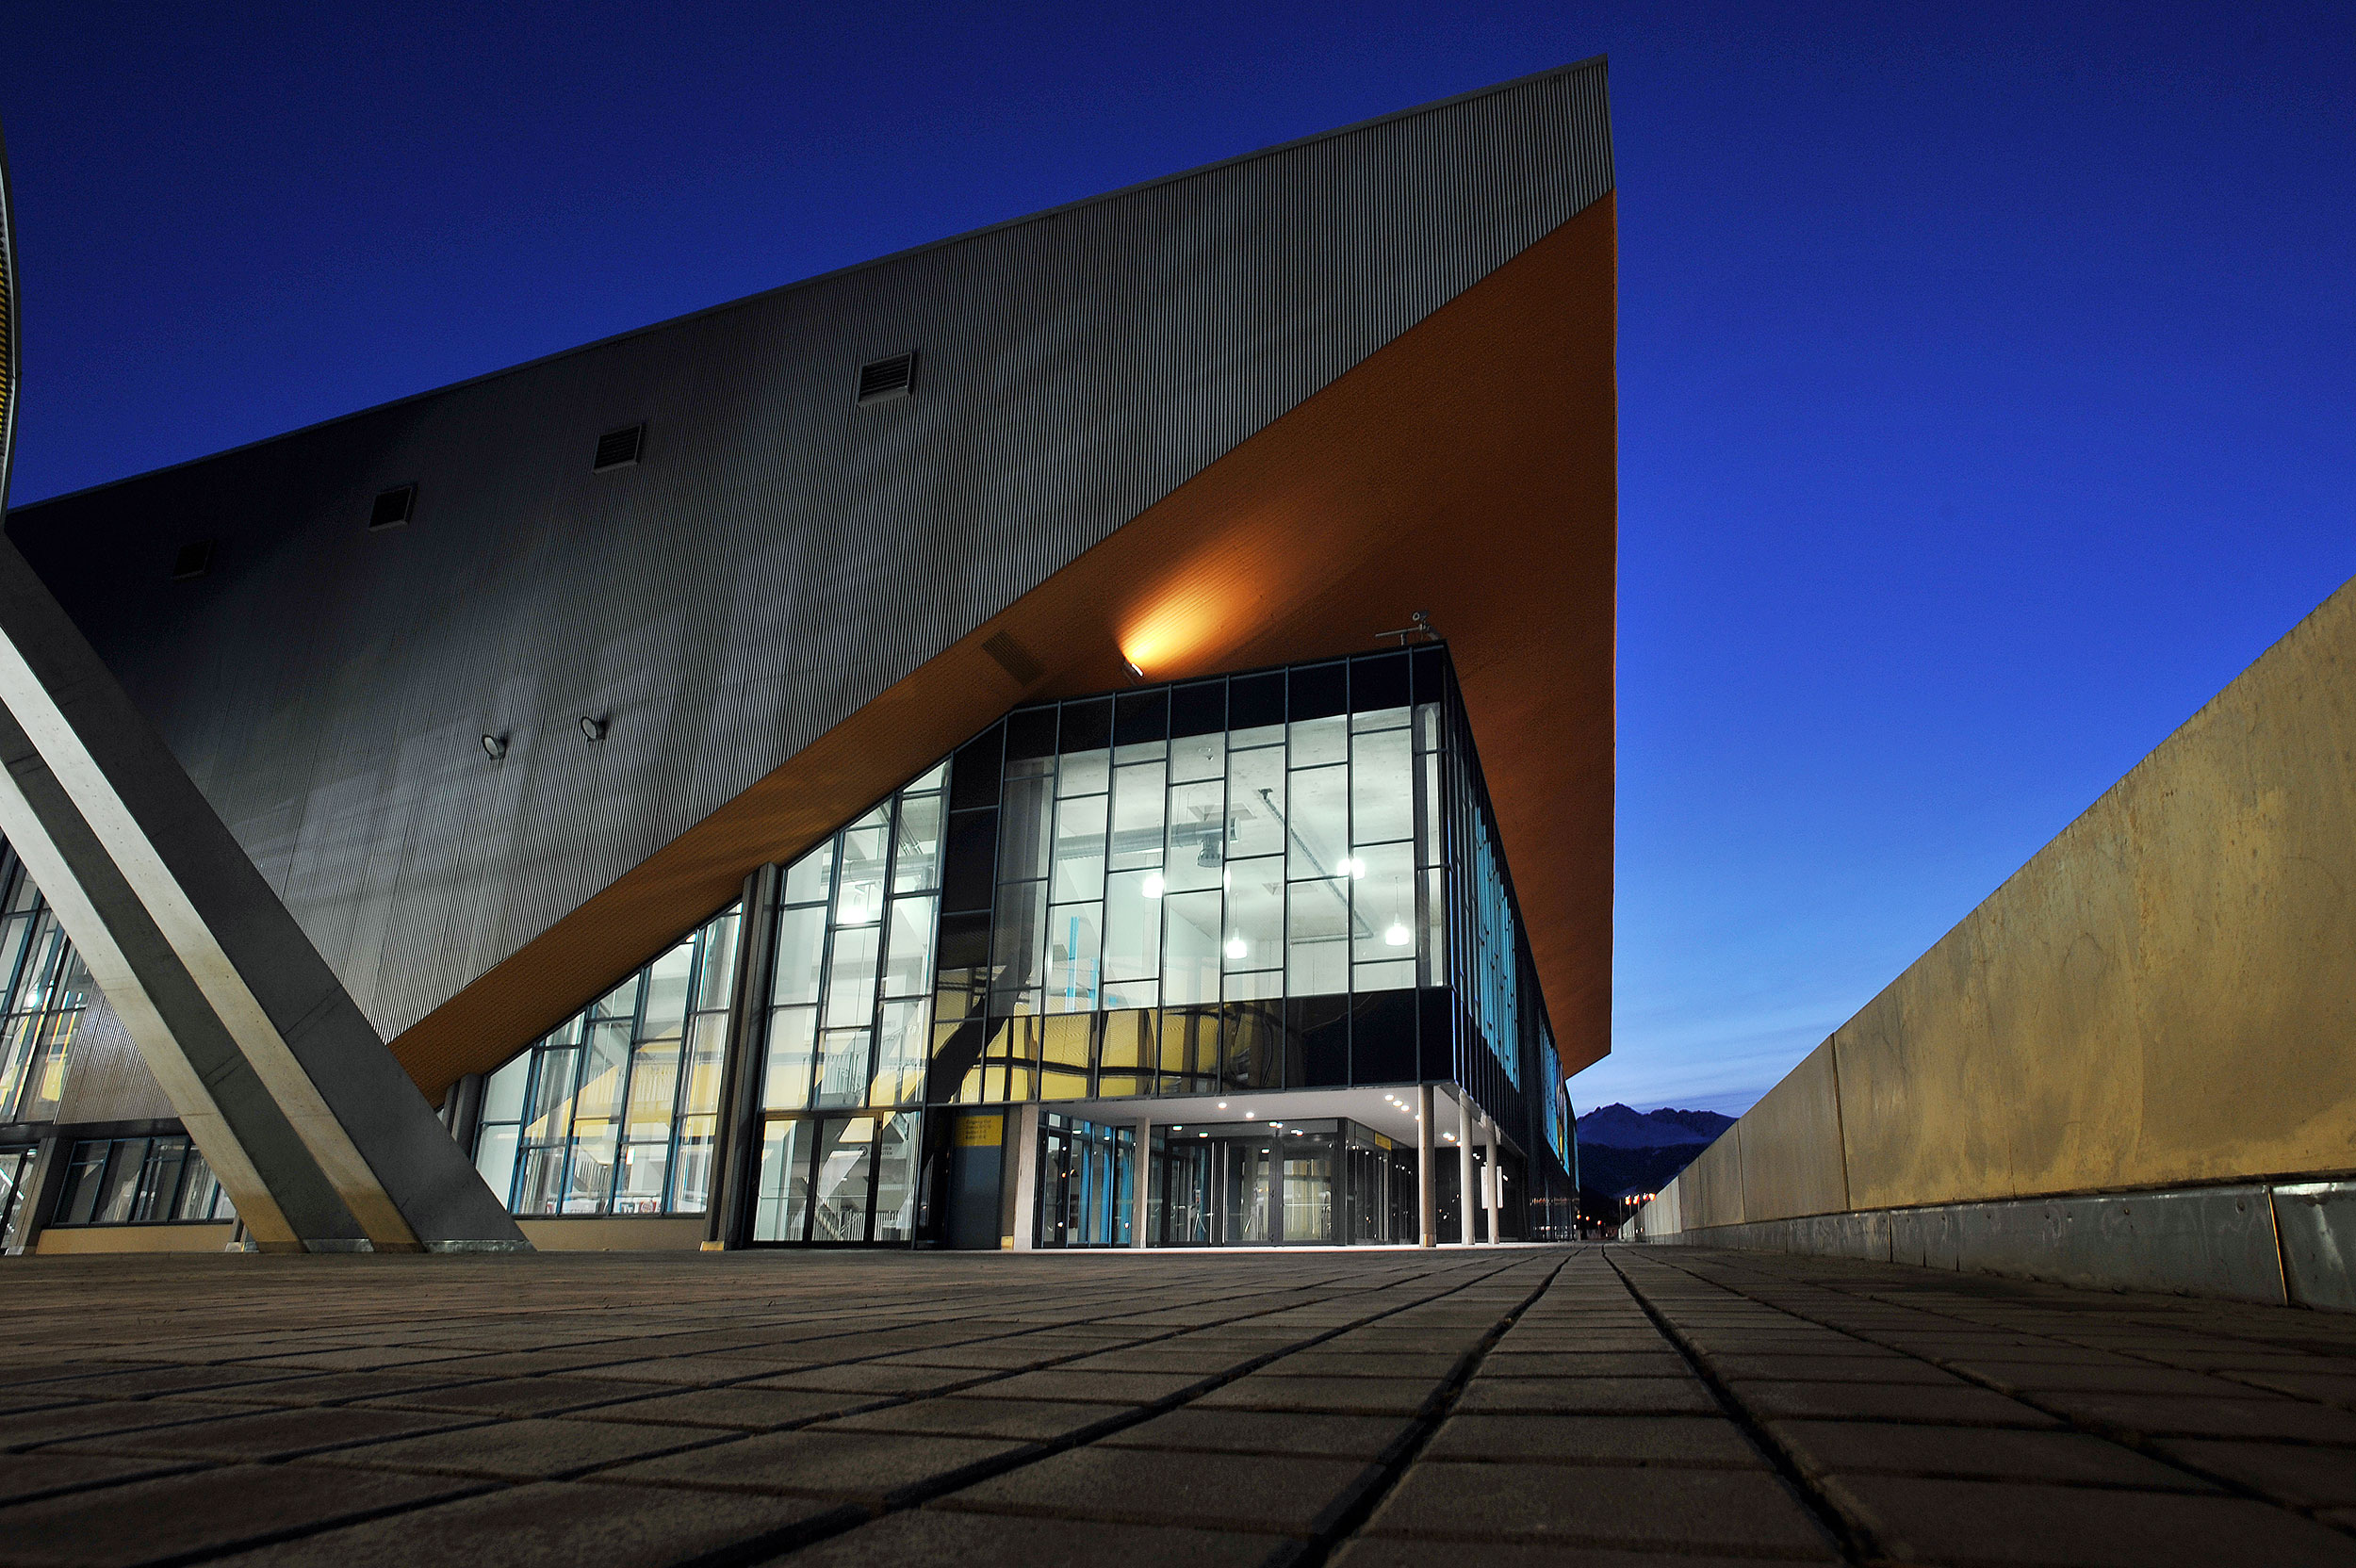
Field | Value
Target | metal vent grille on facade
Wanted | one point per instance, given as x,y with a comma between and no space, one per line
393,507
618,448
887,378
194,559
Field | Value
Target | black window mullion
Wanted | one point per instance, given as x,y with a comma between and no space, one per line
885,897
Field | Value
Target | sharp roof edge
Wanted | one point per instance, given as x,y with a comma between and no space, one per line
1594,63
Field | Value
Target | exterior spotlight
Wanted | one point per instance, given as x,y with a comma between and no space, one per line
592,730
494,746
1135,673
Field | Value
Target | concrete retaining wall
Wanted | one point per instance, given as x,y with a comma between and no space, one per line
2155,1011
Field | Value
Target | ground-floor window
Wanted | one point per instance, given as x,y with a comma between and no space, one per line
837,1179
15,1164
156,1180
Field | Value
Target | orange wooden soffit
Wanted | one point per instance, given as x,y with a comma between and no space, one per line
1468,469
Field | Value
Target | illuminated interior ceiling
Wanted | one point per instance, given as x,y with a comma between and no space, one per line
1468,469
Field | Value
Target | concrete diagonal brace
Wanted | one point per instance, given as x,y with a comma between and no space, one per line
323,1139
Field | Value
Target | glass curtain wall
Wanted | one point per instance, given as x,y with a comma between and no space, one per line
613,1111
850,1004
1283,879
46,992
1237,883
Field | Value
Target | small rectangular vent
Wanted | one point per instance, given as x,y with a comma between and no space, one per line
1013,658
618,448
193,561
393,507
888,378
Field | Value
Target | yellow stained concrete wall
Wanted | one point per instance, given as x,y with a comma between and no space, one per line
663,1234
134,1238
2164,994
1791,1147
1709,1190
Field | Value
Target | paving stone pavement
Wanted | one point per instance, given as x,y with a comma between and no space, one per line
1609,1407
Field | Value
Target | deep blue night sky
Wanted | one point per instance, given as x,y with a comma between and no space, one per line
1988,372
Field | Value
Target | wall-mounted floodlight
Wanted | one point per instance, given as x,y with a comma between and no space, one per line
494,746
592,730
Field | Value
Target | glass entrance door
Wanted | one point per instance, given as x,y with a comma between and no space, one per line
1086,1176
1246,1217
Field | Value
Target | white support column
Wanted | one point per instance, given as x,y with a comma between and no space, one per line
1428,1223
1144,1178
1495,1186
1467,1195
1024,1151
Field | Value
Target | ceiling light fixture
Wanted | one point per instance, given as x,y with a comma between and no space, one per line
494,746
1154,884
592,730
1236,948
1397,936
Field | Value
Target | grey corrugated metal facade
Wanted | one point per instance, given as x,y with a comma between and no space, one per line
778,559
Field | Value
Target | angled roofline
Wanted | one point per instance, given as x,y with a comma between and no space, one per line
1575,67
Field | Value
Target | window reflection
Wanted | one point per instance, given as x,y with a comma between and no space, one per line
612,1112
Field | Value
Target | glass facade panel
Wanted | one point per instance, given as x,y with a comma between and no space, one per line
916,844
1074,942
44,992
1137,801
1197,844
1317,935
589,1119
909,947
801,954
1133,927
1079,874
1242,884
1255,804
896,1151
1382,789
146,1181
1191,948
1255,915
781,1194
1320,822
792,1054
846,1152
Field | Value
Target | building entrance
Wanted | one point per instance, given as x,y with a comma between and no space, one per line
1278,1184
1086,1182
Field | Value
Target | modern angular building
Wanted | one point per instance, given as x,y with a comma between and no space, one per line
1096,732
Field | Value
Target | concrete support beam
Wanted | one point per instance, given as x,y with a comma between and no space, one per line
1467,1195
1428,1222
321,1138
1493,1180
1024,1123
1140,1198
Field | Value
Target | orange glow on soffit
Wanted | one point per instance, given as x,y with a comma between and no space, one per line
1412,482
